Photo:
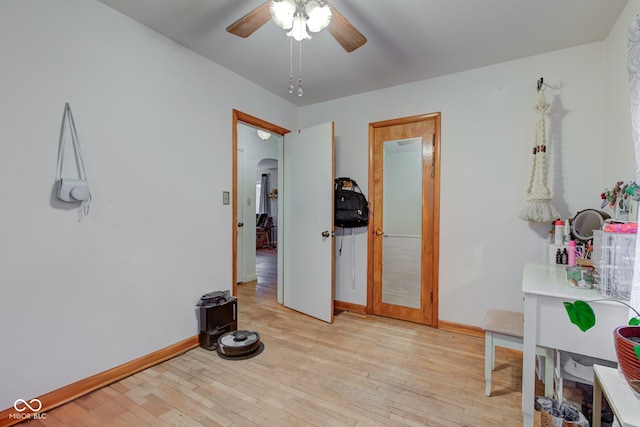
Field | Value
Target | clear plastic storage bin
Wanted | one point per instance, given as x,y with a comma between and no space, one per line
613,259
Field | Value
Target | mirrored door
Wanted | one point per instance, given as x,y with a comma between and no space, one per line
403,229
402,223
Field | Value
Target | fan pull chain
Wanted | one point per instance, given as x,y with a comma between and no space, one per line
290,64
300,91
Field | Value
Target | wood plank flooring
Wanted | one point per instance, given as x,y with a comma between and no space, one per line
359,371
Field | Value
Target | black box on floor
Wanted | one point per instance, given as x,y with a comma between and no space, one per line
218,315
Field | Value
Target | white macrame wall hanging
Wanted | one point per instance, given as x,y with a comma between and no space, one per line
72,190
539,207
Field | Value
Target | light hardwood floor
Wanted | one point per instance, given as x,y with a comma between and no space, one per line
360,370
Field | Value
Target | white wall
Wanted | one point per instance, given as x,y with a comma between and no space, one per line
154,120
487,137
618,155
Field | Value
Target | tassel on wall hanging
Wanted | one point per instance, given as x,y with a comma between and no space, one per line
539,207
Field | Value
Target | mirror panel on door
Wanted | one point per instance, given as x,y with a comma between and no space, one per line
402,223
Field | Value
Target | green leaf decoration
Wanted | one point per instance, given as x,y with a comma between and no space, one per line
637,350
580,314
634,321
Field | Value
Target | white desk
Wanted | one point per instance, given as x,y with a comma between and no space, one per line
623,401
546,324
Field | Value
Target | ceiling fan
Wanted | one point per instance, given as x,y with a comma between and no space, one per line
340,28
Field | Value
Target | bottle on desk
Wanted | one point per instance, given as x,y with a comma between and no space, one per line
559,232
572,253
567,232
562,256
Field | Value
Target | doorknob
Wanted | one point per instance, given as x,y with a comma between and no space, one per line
326,234
241,224
378,233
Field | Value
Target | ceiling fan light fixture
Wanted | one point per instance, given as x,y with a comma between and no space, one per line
299,29
319,16
297,17
282,12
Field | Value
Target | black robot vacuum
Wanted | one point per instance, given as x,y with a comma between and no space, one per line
239,345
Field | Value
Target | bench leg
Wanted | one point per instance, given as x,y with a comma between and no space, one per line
489,361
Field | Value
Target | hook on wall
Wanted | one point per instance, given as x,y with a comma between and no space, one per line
541,85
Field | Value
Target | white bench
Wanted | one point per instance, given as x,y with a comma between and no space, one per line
505,328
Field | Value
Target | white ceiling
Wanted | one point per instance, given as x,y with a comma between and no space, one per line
408,40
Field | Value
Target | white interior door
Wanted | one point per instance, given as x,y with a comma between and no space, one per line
308,221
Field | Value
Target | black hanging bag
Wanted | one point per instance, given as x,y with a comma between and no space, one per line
351,207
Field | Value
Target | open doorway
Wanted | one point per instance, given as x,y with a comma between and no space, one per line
258,153
253,156
307,287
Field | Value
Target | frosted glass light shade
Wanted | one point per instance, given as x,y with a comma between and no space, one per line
282,12
299,30
263,134
319,16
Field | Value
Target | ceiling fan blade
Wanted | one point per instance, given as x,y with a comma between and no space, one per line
344,32
250,22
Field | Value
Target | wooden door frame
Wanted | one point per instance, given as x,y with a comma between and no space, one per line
239,116
436,208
